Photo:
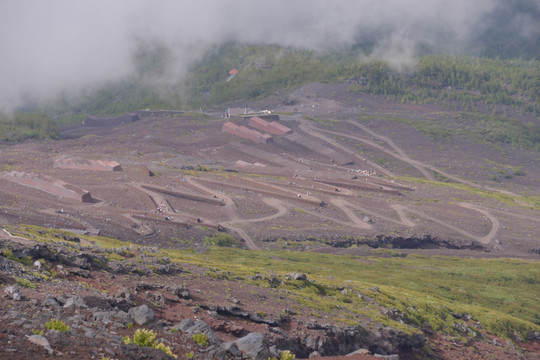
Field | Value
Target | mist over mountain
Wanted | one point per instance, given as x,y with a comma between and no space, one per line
68,46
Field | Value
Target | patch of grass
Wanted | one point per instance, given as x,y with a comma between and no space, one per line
43,234
27,125
26,283
200,339
501,294
285,355
488,194
222,240
8,253
320,121
58,325
147,338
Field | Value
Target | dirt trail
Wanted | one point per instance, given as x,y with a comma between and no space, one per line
230,207
482,239
400,153
400,210
416,164
311,131
343,205
404,220
4,234
495,222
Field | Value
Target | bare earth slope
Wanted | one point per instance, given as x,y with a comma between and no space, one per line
355,174
389,187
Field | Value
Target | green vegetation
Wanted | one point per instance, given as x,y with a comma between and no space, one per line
221,239
483,89
27,125
8,253
200,339
500,294
37,332
26,283
56,235
147,338
533,201
55,324
285,355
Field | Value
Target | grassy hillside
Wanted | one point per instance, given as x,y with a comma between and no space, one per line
27,125
499,295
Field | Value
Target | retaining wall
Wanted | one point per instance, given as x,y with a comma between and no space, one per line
48,184
270,127
94,165
95,121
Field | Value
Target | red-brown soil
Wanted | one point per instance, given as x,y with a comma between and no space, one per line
268,192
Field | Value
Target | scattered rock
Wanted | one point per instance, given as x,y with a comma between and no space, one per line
297,276
360,352
141,314
76,302
198,327
41,341
14,292
181,291
388,357
50,301
255,346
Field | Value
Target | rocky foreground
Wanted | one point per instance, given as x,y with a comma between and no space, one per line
76,301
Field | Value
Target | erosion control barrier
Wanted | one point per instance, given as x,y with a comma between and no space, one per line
313,145
359,186
183,195
246,133
273,127
93,165
267,189
95,121
49,185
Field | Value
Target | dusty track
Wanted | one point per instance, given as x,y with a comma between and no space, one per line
315,132
400,155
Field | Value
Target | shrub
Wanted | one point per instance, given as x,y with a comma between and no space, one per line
200,339
221,239
9,254
285,355
58,325
26,283
147,338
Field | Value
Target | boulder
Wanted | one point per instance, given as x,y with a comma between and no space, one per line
388,357
41,341
255,346
14,291
141,314
50,301
76,302
297,276
191,327
181,291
